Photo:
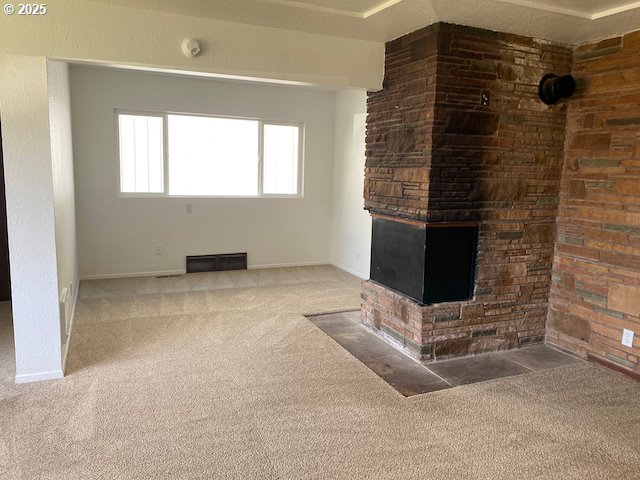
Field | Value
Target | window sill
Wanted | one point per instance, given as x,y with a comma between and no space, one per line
250,197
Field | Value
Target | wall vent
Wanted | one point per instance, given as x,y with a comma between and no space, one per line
216,263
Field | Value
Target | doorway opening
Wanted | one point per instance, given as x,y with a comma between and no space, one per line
7,349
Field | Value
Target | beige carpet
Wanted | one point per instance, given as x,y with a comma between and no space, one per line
219,376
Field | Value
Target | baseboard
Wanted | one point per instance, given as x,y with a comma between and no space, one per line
613,366
284,265
351,271
70,331
108,276
38,377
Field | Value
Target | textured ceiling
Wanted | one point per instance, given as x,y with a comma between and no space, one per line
590,9
355,8
566,21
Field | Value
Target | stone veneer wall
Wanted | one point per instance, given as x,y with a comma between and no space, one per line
436,153
400,121
596,278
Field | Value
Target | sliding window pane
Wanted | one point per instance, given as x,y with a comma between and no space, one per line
281,155
212,156
141,154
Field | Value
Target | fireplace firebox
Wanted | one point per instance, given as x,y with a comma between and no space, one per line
429,262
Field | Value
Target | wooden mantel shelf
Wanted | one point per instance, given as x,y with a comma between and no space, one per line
423,224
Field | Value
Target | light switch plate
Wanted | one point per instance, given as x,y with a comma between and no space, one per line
627,338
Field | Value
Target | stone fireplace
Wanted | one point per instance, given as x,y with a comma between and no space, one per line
463,169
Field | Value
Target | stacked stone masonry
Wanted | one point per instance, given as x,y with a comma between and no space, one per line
459,134
595,292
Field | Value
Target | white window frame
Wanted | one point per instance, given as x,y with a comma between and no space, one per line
165,160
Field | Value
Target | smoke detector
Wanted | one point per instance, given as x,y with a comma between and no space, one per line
190,47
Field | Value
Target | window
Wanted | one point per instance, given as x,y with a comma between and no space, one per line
141,154
212,156
208,156
280,159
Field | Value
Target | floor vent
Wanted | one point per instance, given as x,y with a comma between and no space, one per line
216,263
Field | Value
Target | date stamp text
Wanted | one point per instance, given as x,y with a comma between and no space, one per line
25,9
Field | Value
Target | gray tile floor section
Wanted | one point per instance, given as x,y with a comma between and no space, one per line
411,378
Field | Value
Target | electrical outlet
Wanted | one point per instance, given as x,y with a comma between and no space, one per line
159,249
485,99
189,208
627,338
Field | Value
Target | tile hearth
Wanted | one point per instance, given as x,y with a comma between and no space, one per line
409,377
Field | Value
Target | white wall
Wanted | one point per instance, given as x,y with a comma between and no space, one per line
63,188
351,224
24,108
117,35
117,235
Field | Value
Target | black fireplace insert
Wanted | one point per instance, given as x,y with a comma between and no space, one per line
432,264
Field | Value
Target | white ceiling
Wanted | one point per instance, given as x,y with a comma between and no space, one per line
352,8
589,9
566,21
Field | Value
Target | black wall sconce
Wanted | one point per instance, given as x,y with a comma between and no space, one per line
552,88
